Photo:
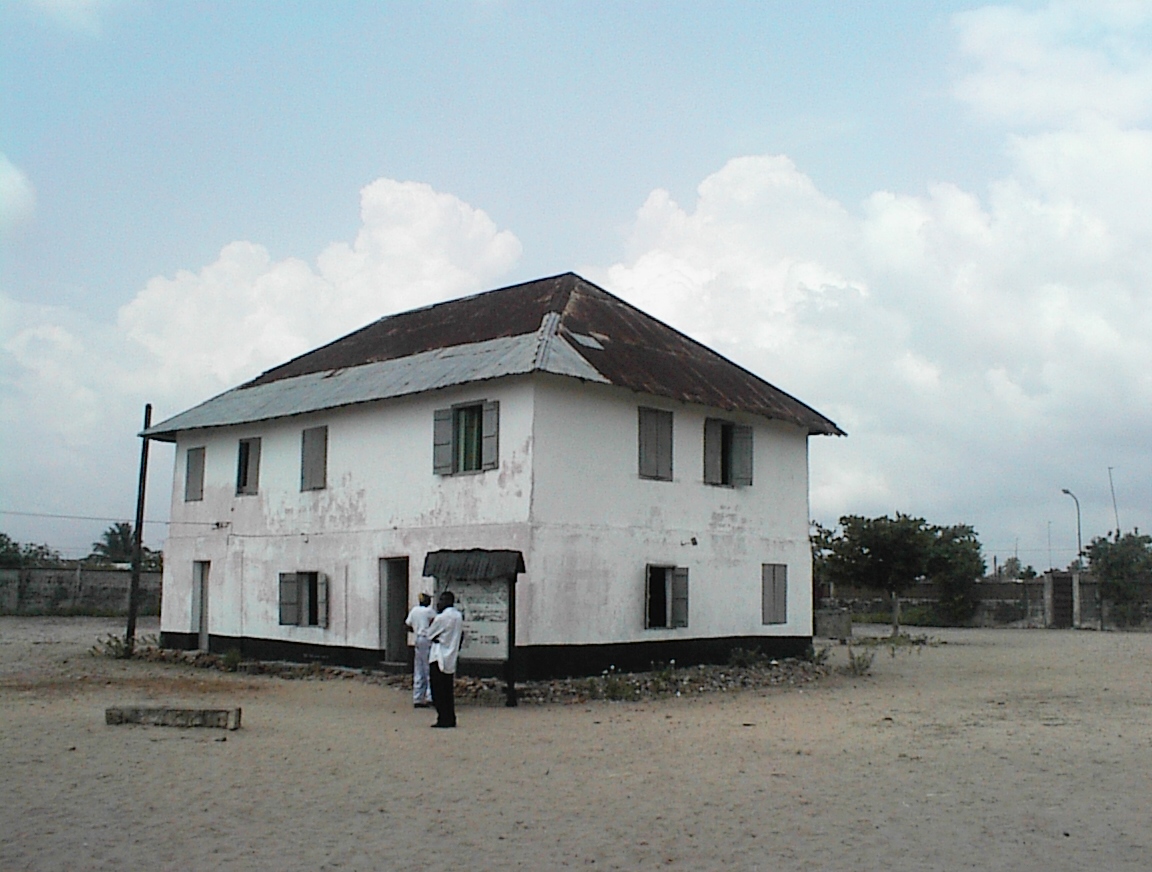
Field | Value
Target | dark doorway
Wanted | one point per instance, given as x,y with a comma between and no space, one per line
1062,601
394,608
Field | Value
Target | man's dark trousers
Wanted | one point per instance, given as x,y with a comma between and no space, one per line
443,695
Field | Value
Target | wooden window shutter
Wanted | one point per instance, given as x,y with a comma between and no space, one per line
248,473
194,475
680,596
713,451
321,600
742,456
490,443
648,461
664,444
314,459
774,605
254,466
289,599
442,442
655,439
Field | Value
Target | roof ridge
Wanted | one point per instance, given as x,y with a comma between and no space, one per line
549,329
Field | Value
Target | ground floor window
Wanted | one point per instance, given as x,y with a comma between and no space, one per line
303,599
774,593
666,597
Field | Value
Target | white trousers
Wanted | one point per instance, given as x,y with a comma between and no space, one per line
421,690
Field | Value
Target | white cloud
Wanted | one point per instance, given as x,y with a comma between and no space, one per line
970,347
17,196
246,312
72,390
1059,64
81,15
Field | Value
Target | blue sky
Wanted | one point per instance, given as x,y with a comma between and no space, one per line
928,220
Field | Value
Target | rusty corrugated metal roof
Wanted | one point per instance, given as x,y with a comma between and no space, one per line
563,325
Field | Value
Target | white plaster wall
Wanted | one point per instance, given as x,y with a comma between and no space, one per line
567,494
597,524
382,500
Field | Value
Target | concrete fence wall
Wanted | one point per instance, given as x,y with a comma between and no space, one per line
75,590
1056,599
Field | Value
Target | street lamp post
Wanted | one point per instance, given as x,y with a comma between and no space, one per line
1080,554
1079,544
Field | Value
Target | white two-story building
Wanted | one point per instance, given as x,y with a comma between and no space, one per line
656,493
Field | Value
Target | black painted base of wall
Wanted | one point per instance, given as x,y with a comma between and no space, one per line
559,661
532,662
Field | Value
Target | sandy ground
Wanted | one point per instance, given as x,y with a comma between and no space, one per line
1000,749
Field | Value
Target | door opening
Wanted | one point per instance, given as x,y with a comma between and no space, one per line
394,608
200,603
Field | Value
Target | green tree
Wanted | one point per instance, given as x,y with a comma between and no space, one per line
14,555
115,545
9,552
1123,568
888,554
820,538
955,564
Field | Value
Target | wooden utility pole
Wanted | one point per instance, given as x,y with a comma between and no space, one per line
138,541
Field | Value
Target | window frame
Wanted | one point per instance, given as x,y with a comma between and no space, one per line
194,461
669,594
655,443
450,454
303,599
314,458
248,466
728,453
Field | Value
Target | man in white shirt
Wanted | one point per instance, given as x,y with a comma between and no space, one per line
419,620
445,633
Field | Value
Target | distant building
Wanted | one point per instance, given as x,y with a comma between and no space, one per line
656,492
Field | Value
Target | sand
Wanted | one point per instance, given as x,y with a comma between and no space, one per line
999,749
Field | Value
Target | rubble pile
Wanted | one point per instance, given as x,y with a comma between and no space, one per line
663,680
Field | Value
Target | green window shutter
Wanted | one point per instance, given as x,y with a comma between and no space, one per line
314,459
289,599
741,456
322,600
194,475
713,451
442,442
680,596
490,444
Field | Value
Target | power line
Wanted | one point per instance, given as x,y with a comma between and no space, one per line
98,518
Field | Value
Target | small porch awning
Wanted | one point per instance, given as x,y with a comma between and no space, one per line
477,564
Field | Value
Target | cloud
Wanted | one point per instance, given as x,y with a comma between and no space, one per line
245,312
1059,64
972,347
79,15
71,390
17,196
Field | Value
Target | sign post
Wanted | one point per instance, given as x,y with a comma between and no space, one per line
484,583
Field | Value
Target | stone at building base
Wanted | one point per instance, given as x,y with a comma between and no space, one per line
225,719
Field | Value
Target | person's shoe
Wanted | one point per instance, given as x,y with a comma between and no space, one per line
421,705
443,726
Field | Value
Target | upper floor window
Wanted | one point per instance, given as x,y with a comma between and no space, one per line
655,444
194,475
466,438
314,459
727,453
248,466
